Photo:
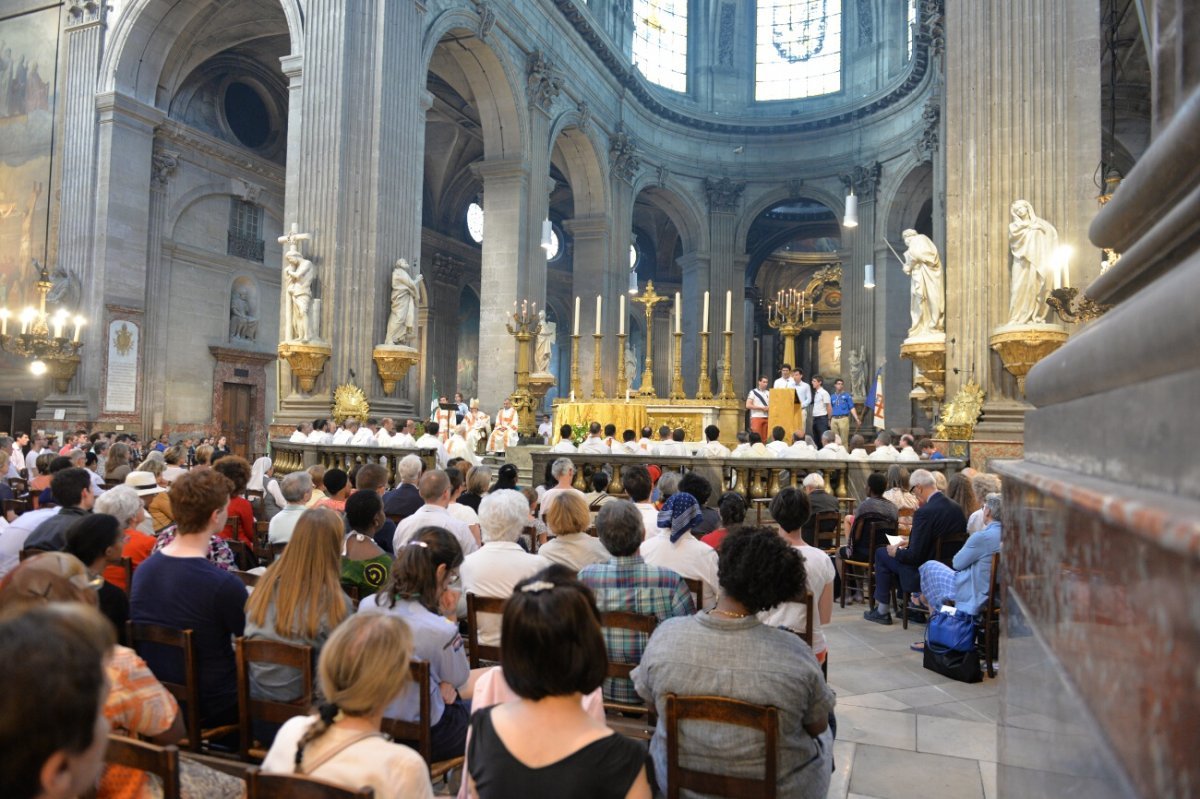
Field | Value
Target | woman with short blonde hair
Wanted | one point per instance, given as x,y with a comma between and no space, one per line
363,667
567,518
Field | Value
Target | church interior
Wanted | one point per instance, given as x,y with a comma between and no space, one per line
958,240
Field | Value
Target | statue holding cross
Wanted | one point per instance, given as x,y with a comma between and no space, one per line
298,276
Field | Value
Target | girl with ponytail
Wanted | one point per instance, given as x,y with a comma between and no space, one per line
363,667
423,590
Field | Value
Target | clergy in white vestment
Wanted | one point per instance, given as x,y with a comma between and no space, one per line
712,448
457,446
564,443
445,419
301,433
364,436
403,439
431,440
478,423
884,451
504,434
320,433
594,444
345,433
387,429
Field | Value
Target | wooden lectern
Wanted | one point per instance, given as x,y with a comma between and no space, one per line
784,410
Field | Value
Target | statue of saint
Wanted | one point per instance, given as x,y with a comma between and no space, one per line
243,324
545,341
858,372
298,274
928,300
65,291
631,364
1037,267
402,320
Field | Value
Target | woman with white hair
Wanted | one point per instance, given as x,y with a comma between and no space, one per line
968,582
261,480
496,567
124,503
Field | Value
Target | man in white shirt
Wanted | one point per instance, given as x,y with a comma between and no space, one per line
14,536
884,451
496,567
430,440
673,447
544,430
712,448
822,407
610,439
757,448
858,450
38,447
804,393
594,444
756,402
785,377
364,435
444,418
674,547
301,433
297,489
743,445
628,445
636,480
907,451
664,437
645,444
387,429
320,433
435,491
345,434
829,446
778,446
800,447
564,444
404,439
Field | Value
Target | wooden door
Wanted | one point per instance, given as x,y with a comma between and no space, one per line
235,418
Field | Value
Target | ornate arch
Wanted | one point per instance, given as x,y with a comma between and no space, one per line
690,220
780,194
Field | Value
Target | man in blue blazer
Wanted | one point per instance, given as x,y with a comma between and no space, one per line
937,516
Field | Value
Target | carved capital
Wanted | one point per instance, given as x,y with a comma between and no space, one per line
162,165
863,179
83,12
622,154
543,84
487,20
723,195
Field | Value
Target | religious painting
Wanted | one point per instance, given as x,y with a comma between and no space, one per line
28,47
468,344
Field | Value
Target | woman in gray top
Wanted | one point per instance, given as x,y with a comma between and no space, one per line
728,652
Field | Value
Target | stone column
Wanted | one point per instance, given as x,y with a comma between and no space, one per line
1022,118
442,350
158,289
505,195
664,349
727,273
697,279
592,266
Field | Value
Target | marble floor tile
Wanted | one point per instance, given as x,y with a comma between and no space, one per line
843,760
988,772
879,727
879,701
975,740
892,774
921,696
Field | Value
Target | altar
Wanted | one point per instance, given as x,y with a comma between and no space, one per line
691,415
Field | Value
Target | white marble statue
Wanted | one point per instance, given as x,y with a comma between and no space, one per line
1037,266
545,341
631,364
928,300
858,372
402,320
298,274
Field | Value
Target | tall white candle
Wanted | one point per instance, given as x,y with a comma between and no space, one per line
706,312
678,312
621,317
728,311
598,299
4,321
576,316
79,322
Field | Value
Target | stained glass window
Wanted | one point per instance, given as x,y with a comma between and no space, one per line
798,49
475,222
660,42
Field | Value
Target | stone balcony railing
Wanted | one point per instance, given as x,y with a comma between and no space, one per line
290,457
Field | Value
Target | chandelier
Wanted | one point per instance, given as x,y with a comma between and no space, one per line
43,337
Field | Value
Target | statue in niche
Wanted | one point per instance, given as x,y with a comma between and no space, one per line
243,323
547,332
65,290
928,300
298,274
858,372
402,319
1037,265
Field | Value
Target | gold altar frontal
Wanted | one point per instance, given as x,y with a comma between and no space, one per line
691,415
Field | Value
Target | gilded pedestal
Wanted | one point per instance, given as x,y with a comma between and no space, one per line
393,362
306,361
928,354
1020,347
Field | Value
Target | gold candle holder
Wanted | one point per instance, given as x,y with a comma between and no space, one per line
576,383
597,379
524,328
704,386
677,376
648,299
622,377
727,370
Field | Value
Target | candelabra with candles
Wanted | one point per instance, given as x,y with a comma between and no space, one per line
524,327
791,313
43,337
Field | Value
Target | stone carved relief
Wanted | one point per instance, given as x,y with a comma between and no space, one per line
725,31
795,186
80,13
585,115
162,165
243,310
622,154
928,143
487,20
866,22
724,194
863,179
933,22
543,83
447,269
661,174
249,192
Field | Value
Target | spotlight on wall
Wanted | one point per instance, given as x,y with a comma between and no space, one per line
850,218
547,235
869,276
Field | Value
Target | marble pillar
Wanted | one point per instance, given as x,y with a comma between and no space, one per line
1022,120
727,273
158,288
697,279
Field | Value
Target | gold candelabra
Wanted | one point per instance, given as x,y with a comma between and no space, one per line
791,313
597,378
677,371
36,342
524,327
704,386
727,369
622,377
576,383
649,298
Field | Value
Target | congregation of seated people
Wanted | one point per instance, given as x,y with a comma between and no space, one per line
368,575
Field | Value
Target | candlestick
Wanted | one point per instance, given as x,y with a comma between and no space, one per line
576,385
678,312
597,379
621,319
598,299
622,377
677,372
79,322
727,369
728,311
705,329
704,386
575,331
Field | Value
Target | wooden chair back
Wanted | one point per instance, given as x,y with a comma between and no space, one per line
262,542
127,567
243,558
475,605
416,734
294,786
717,709
990,618
187,693
18,486
696,586
946,547
162,761
624,620
249,579
15,506
28,553
874,527
807,633
826,525
271,711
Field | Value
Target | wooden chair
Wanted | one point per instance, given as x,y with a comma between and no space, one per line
15,506
717,709
262,543
270,711
187,693
696,586
478,653
825,527
27,553
243,558
249,579
806,634
989,619
862,573
944,550
127,567
18,486
352,591
642,725
418,734
294,786
162,761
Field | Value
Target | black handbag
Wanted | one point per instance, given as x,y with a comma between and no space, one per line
961,666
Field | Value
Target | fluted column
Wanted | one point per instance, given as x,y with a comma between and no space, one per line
158,287
444,282
1022,120
590,278
724,203
697,279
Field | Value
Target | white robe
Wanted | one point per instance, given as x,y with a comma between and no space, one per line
478,422
363,438
594,446
713,449
403,440
427,441
504,435
342,437
445,421
298,438
457,447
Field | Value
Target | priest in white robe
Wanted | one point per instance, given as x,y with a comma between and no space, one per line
478,424
504,434
457,446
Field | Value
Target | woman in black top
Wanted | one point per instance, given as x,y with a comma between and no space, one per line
478,480
545,744
507,478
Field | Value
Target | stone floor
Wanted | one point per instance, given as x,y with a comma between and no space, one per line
905,732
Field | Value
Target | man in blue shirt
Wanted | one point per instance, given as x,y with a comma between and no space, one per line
843,409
